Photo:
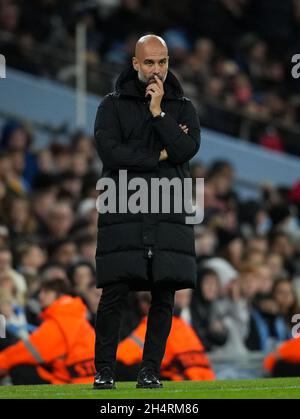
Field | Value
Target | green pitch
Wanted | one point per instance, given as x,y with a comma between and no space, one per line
230,389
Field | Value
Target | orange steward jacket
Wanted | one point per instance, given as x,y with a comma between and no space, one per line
62,348
288,351
184,358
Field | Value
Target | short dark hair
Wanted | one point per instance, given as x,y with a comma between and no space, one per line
58,285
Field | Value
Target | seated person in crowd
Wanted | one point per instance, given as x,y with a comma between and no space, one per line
184,359
285,361
61,350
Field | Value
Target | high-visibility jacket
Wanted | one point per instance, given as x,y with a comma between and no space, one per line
184,358
288,351
62,348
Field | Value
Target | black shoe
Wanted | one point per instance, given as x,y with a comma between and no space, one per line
104,379
148,378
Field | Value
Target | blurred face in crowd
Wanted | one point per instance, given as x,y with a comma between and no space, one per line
229,220
204,49
235,250
214,88
259,244
283,246
60,219
63,161
151,58
205,243
87,250
6,307
284,295
18,140
83,277
84,147
19,212
65,254
45,161
7,283
210,287
265,280
42,202
17,159
222,184
5,166
254,257
268,305
275,263
34,257
72,186
258,51
5,260
249,284
2,189
79,164
46,298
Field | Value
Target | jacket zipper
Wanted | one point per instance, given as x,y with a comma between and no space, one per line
150,253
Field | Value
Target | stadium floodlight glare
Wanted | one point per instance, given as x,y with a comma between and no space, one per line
2,67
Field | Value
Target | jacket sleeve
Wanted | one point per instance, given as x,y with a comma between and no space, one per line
43,346
108,141
288,351
181,147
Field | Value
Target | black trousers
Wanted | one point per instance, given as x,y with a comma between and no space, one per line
108,322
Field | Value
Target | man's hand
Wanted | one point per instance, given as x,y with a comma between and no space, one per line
184,128
163,155
156,91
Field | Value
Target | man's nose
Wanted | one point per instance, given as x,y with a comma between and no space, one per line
156,69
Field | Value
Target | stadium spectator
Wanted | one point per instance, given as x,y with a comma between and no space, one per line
267,326
82,277
184,358
61,350
285,297
285,361
207,310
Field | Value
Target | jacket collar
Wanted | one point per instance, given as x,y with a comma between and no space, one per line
127,84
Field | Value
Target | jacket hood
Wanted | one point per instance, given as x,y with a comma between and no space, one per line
70,315
127,85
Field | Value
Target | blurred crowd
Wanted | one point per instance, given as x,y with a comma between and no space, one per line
233,56
248,252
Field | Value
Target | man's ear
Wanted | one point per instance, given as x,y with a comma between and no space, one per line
135,63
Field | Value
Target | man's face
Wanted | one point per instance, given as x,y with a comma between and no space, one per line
152,59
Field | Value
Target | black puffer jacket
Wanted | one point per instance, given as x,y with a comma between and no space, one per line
128,137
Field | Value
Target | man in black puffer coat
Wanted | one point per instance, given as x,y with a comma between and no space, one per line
148,128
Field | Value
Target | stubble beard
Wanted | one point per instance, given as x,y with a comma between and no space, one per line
147,81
